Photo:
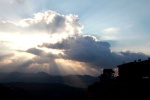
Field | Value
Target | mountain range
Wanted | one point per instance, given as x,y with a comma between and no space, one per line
80,81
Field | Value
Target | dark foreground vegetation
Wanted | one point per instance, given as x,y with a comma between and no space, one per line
40,91
132,83
119,91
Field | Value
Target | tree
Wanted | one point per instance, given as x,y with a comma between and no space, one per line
107,75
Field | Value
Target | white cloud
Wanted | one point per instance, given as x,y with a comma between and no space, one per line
48,22
110,30
110,33
76,53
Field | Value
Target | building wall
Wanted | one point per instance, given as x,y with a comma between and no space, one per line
134,70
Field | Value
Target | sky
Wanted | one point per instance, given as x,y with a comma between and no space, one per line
72,37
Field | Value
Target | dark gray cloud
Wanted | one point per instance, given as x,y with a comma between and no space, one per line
22,64
5,56
93,52
86,51
42,53
36,51
64,44
41,59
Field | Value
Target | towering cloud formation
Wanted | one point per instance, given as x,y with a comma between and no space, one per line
68,51
48,22
93,52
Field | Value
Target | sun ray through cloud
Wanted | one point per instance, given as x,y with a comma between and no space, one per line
55,41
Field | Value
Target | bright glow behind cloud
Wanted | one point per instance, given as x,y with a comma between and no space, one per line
54,43
48,26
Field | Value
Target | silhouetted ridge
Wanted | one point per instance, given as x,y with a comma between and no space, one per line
42,77
40,91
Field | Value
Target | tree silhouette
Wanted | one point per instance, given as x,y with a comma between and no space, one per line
107,75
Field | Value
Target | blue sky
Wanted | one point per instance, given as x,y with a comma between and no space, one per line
119,29
129,18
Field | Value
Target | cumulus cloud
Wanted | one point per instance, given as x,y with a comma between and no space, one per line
47,22
94,53
74,53
43,26
83,54
35,51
